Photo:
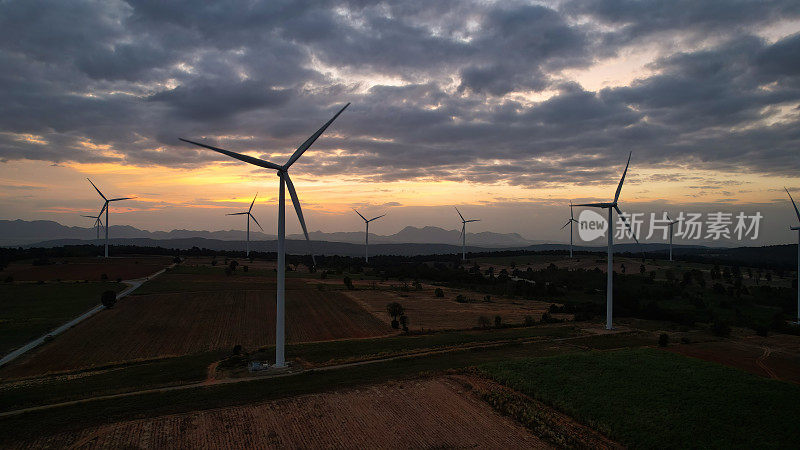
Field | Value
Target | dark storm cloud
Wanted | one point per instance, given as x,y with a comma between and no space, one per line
261,76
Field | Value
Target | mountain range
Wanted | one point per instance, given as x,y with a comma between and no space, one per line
26,233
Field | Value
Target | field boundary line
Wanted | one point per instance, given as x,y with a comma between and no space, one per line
132,286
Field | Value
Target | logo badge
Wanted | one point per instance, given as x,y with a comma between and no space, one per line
591,225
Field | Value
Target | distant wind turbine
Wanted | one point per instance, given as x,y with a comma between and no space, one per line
96,224
570,222
464,223
796,211
249,216
671,224
612,206
366,233
106,208
285,182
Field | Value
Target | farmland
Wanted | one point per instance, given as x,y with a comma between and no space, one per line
29,310
652,398
79,269
414,414
179,323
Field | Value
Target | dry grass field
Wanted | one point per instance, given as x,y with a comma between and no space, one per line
180,323
428,312
92,269
432,413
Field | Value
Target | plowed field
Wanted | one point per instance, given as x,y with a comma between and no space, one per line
414,414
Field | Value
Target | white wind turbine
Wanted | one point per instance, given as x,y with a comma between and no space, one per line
96,224
366,233
464,223
249,216
612,206
671,225
796,211
106,208
570,222
285,183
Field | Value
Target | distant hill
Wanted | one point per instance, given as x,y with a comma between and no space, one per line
21,232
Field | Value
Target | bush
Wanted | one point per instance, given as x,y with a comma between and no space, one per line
663,340
395,324
237,349
498,321
246,268
348,283
529,321
108,299
484,322
721,329
404,322
395,310
438,293
213,262
460,298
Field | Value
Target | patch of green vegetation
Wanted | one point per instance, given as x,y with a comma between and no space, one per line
651,398
115,379
30,310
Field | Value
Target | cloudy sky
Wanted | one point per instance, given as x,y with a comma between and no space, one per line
511,109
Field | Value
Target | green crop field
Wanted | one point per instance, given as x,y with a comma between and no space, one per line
651,398
29,310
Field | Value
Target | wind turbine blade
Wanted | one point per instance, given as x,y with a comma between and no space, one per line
98,190
472,220
296,203
254,202
91,217
105,205
365,219
459,214
237,214
254,220
376,218
121,198
624,219
565,225
793,204
300,150
571,213
621,180
595,205
239,156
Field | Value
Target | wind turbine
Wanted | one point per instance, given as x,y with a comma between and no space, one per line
106,208
796,211
671,224
96,224
366,233
249,216
570,222
612,206
285,182
464,223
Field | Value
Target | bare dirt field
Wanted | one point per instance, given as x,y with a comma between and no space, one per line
180,323
428,312
432,413
775,357
92,269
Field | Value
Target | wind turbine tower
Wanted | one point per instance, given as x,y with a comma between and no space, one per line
284,183
796,211
249,216
671,225
612,206
96,223
464,223
106,207
570,222
366,233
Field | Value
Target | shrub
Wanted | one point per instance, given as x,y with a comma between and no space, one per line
529,321
404,322
395,324
460,298
348,283
237,349
213,262
487,298
720,328
108,299
438,292
663,340
246,268
498,321
484,322
395,310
